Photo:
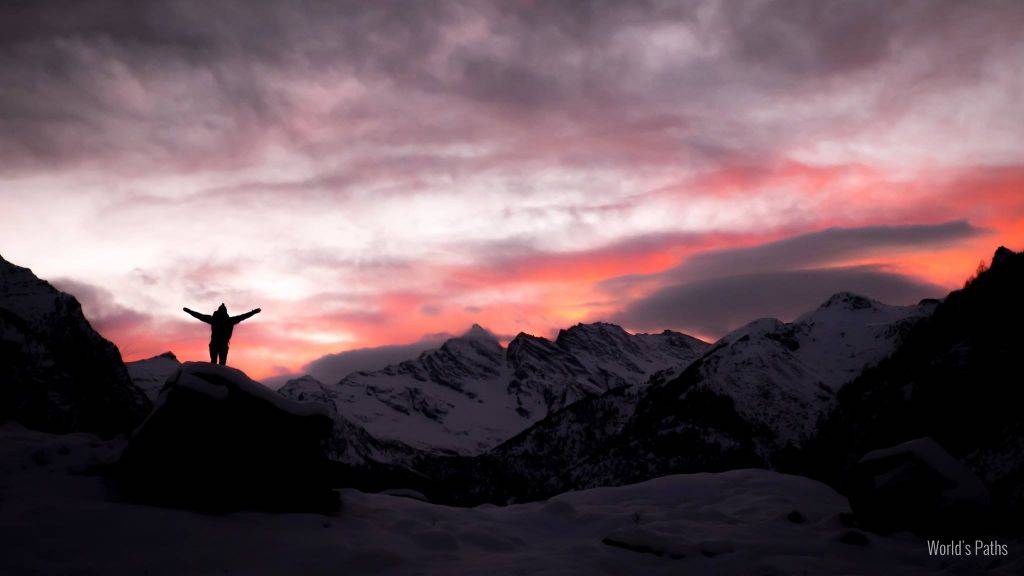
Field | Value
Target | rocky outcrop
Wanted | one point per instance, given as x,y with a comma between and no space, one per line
56,373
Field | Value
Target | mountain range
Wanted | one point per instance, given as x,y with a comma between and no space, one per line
472,393
754,397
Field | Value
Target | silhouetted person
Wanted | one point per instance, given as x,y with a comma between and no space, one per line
221,326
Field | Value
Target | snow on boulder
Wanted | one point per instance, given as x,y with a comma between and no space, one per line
218,439
56,373
918,486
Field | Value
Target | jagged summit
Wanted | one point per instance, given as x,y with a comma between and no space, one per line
592,330
591,326
1002,255
305,379
477,348
478,332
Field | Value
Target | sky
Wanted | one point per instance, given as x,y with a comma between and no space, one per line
378,176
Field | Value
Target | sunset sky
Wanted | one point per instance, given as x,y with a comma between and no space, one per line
373,173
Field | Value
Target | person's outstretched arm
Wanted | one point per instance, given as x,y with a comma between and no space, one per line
204,317
240,317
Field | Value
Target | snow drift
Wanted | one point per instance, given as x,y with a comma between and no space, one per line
739,522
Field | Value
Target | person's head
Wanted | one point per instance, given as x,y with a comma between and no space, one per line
222,310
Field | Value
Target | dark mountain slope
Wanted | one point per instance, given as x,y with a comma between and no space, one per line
957,378
56,373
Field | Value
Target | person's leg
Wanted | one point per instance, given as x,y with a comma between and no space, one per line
213,354
224,356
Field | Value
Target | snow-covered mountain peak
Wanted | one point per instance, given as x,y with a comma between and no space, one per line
474,340
478,355
781,377
475,354
845,317
152,373
583,333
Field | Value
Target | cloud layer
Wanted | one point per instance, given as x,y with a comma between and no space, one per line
717,291
369,173
334,367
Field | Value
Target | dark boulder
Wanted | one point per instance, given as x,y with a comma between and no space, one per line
918,486
219,440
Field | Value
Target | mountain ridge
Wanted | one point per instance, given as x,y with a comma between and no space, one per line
471,392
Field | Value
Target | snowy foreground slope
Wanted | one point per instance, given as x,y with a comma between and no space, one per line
738,522
472,393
